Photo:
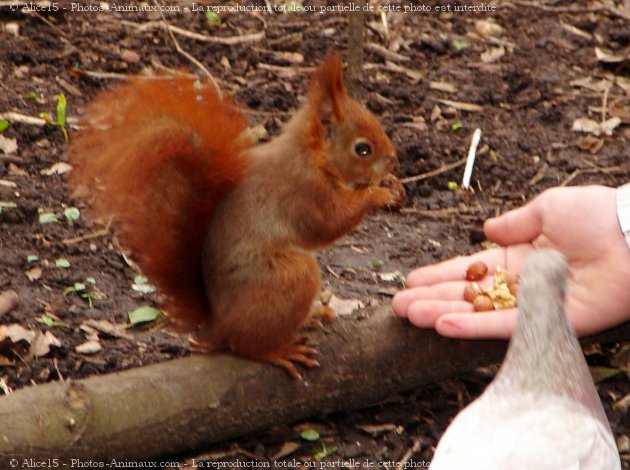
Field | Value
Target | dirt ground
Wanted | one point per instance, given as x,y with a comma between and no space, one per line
522,73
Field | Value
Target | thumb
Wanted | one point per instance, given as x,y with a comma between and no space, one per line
520,225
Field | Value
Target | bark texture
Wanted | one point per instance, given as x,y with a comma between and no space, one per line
189,403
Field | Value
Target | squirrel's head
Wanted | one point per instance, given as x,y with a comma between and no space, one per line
351,136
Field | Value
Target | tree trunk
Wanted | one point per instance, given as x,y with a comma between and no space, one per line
185,404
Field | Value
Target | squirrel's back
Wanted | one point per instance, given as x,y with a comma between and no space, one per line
160,153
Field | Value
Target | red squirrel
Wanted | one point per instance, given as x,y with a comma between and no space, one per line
225,228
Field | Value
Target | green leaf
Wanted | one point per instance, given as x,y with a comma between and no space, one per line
61,109
31,95
325,452
51,322
460,44
90,280
140,279
46,117
378,263
62,263
7,205
72,213
452,186
88,296
144,314
456,126
79,286
47,218
309,435
213,18
4,125
68,290
31,258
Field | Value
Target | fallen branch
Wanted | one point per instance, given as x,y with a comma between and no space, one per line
22,118
438,171
207,398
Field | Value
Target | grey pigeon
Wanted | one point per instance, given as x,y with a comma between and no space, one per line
542,410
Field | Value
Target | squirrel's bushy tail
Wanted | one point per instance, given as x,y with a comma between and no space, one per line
160,153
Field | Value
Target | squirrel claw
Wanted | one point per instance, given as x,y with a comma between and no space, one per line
286,356
320,315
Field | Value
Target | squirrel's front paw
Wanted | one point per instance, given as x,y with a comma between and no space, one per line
398,196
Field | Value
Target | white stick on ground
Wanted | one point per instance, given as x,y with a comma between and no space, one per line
470,162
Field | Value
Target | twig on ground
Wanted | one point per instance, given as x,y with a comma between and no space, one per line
581,171
417,445
22,118
11,159
99,233
186,54
225,40
438,171
598,9
470,160
605,100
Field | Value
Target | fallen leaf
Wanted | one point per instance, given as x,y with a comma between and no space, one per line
590,143
344,306
394,276
443,86
111,329
623,444
609,125
609,57
586,125
8,145
287,449
624,84
89,347
40,346
493,54
58,168
488,28
590,83
16,333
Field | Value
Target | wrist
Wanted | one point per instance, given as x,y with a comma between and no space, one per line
623,210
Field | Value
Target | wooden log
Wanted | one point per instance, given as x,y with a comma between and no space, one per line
188,403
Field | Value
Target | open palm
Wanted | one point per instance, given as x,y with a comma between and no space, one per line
580,222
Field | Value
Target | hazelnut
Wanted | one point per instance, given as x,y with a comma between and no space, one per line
482,303
471,291
476,271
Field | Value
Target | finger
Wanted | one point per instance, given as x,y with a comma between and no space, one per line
455,269
453,290
489,325
520,225
425,313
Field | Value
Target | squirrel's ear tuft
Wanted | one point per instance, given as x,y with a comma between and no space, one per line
327,90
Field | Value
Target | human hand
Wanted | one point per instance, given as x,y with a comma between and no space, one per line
580,222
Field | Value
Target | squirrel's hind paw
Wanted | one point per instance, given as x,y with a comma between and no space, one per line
287,355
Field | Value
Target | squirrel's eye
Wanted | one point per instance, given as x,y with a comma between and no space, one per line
362,149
